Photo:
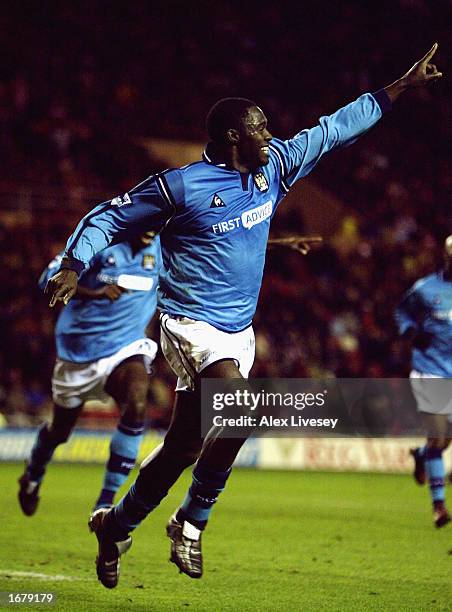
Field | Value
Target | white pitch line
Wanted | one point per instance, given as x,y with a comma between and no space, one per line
37,575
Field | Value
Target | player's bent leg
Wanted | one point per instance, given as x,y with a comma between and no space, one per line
436,476
209,480
49,437
128,384
436,426
158,473
180,449
162,468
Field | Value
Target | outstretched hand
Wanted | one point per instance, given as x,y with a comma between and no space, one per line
422,73
61,287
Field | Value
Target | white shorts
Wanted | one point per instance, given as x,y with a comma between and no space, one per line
432,398
75,383
190,346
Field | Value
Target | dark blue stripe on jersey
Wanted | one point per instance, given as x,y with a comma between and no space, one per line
282,163
384,101
83,226
167,189
149,179
168,199
280,157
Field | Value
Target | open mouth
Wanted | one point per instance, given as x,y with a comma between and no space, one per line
266,150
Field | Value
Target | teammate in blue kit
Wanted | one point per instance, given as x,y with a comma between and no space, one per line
214,218
102,351
425,318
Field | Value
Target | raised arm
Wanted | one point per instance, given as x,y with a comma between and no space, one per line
422,73
300,154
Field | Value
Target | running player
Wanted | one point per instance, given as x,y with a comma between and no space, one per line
214,218
425,318
102,351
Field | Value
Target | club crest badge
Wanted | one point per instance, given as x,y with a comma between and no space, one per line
148,262
261,182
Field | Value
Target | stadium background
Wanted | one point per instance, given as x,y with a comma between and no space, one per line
85,96
94,96
90,103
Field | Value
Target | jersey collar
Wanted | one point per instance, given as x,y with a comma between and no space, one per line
211,157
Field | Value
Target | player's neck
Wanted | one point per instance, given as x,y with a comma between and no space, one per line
236,162
230,156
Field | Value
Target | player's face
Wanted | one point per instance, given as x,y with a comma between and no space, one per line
254,138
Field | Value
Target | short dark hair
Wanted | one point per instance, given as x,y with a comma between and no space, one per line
224,115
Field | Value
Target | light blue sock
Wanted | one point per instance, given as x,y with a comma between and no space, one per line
124,447
434,467
204,491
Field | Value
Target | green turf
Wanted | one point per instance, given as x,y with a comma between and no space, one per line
278,541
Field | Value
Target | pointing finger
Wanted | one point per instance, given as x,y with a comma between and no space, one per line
428,56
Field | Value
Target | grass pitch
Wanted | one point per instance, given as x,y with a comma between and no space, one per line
277,541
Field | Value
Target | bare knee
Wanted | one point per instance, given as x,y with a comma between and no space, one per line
135,404
128,385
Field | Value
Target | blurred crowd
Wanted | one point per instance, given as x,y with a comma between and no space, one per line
81,86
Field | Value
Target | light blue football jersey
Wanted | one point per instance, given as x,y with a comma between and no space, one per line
90,329
427,306
214,221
